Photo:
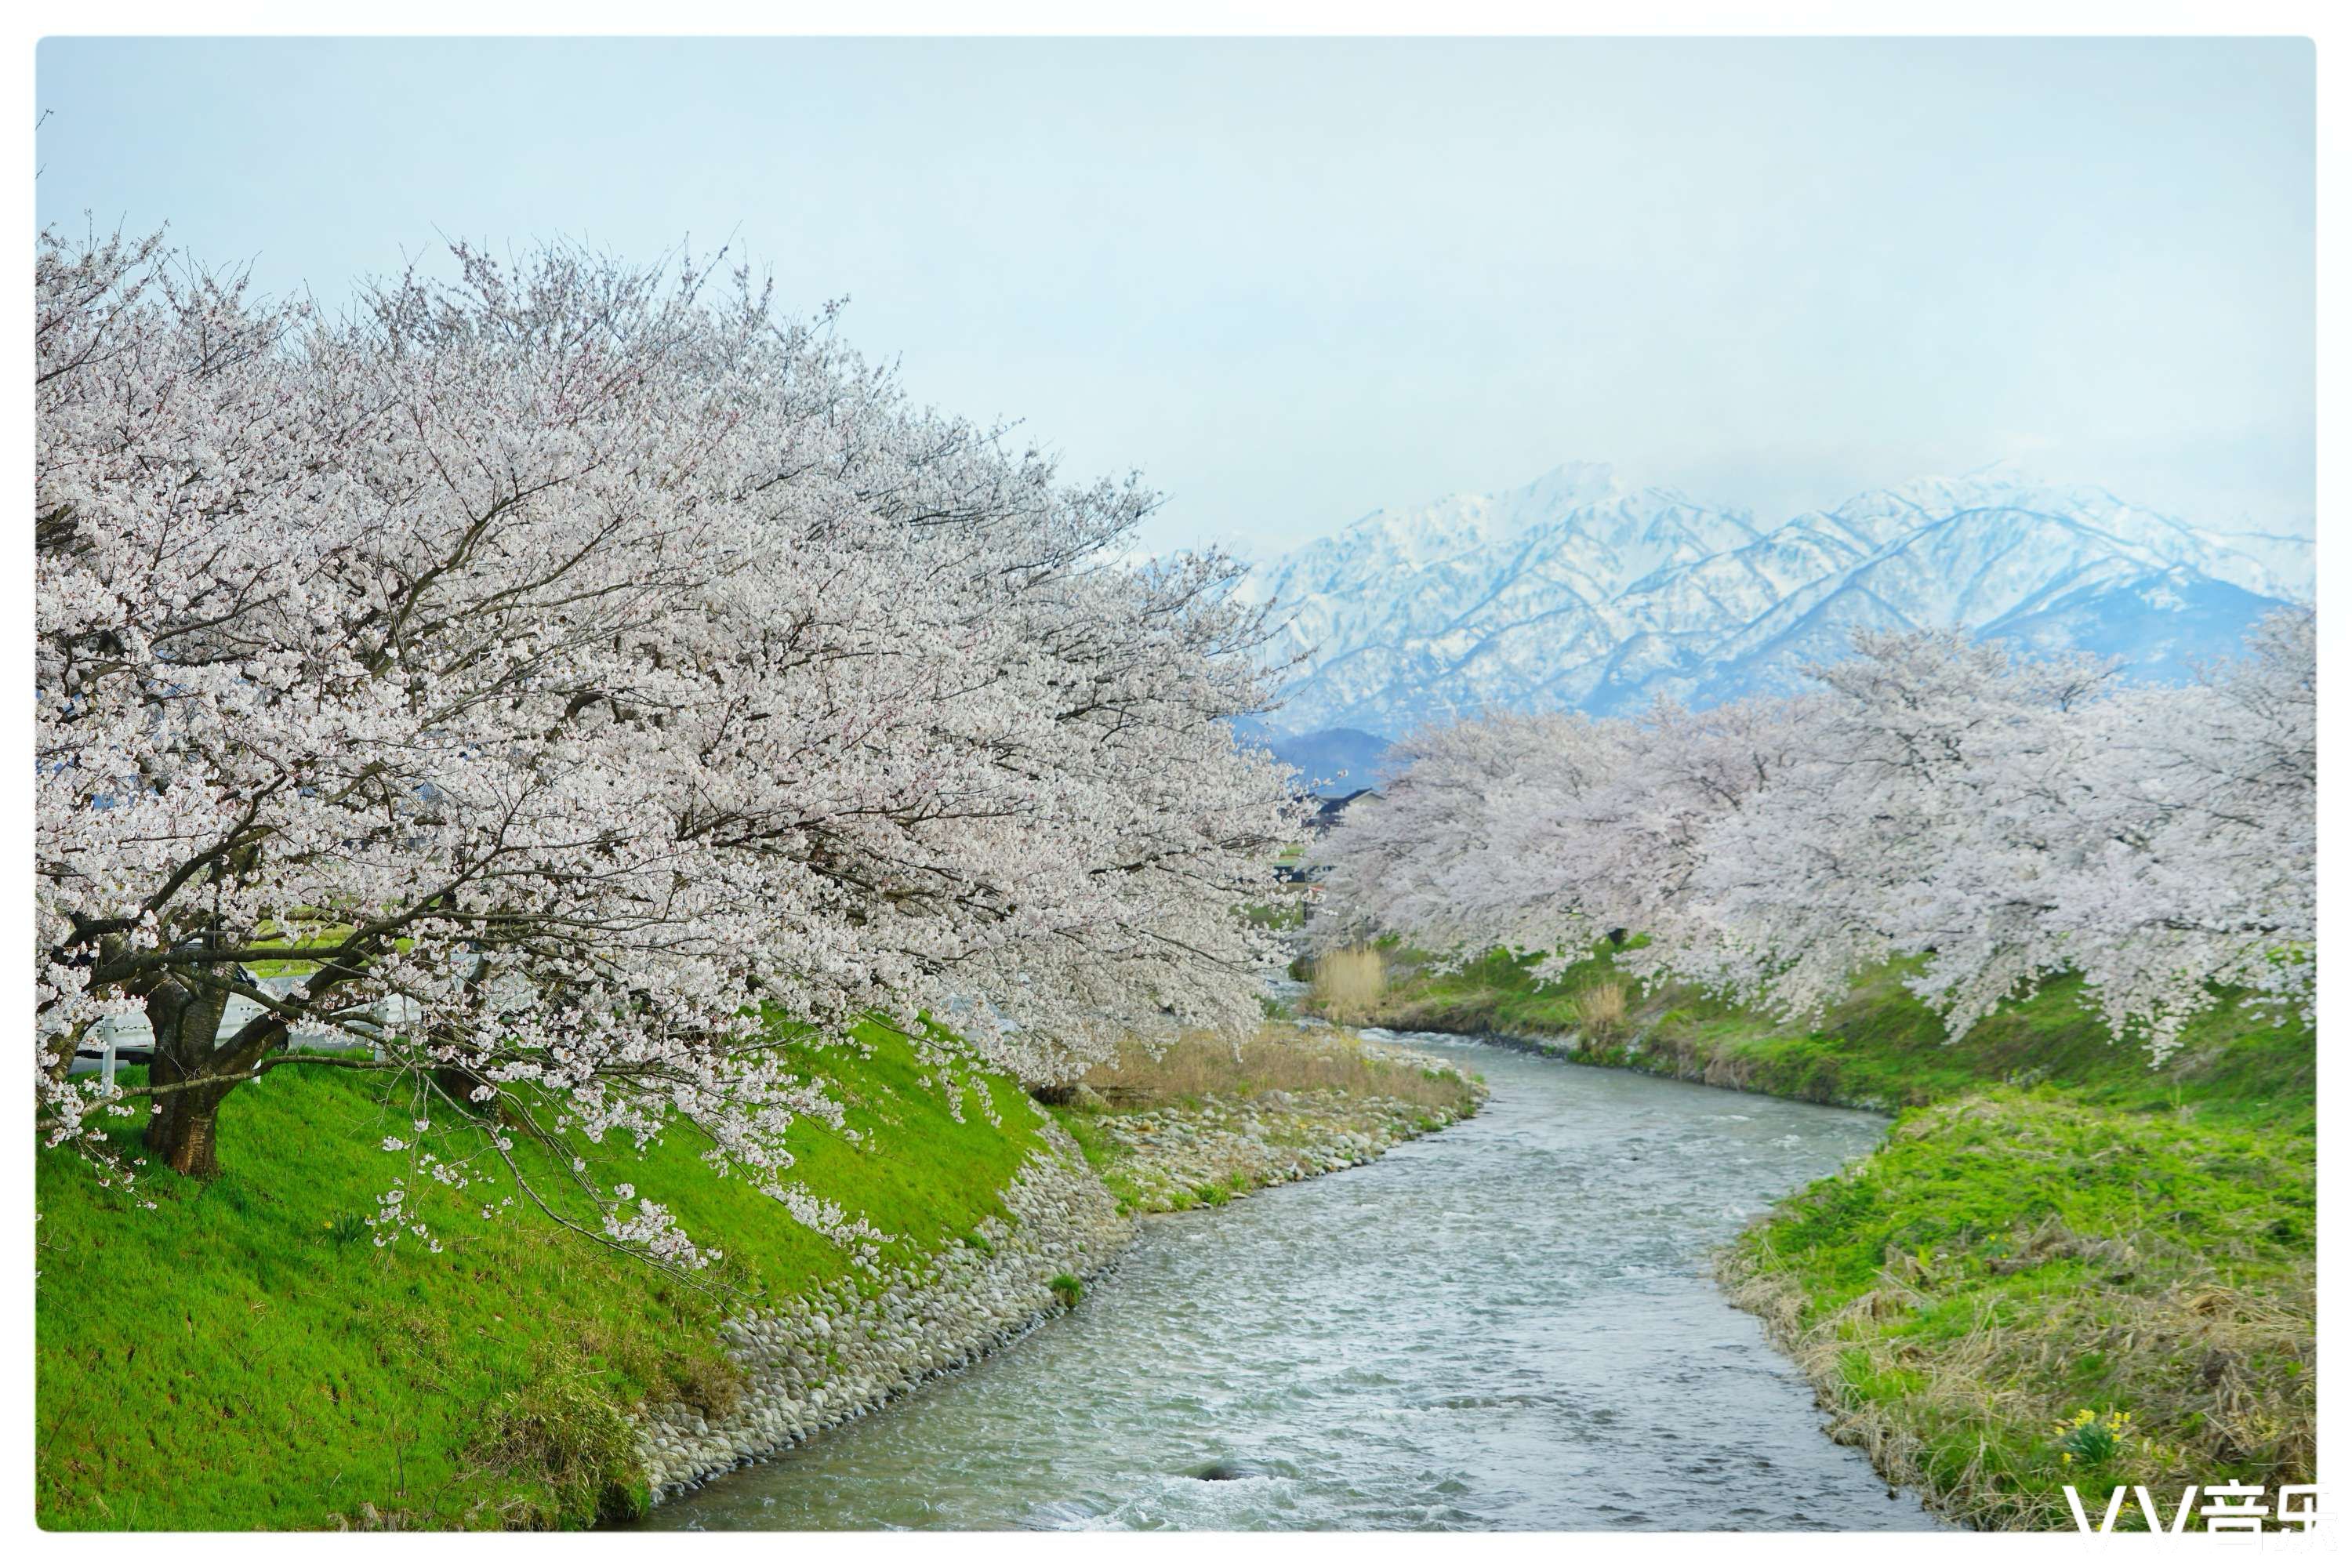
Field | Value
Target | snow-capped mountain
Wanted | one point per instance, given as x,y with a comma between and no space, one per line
1579,591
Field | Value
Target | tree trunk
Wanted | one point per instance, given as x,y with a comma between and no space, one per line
180,1133
187,1047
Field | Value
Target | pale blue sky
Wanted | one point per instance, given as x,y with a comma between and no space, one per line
1293,281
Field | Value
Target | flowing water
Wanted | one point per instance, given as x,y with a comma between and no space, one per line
1510,1324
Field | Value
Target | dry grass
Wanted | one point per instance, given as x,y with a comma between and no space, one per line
1278,1057
2154,1268
1600,1011
1348,985
2204,1360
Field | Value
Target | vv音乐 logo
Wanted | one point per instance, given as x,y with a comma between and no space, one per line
2231,1506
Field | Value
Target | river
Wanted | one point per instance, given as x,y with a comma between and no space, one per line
1506,1325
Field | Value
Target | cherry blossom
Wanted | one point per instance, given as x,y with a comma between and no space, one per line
577,679
2008,816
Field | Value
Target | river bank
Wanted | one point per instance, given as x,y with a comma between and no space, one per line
2052,1235
1510,1325
1074,1206
240,1353
2048,1228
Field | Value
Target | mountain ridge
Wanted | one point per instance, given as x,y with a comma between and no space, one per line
1579,591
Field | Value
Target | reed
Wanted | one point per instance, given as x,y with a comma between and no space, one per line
1348,985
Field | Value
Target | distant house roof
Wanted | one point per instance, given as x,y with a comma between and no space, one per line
1334,807
1328,810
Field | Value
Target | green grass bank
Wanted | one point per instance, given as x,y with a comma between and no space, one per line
2062,1266
243,1356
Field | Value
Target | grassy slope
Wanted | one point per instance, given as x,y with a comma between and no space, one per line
2053,1227
1880,1048
242,1355
2011,1259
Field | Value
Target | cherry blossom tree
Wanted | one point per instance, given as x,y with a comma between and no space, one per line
2014,818
2191,856
1546,833
554,667
2010,817
1469,846
1894,824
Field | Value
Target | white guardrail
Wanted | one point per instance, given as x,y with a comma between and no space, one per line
128,1038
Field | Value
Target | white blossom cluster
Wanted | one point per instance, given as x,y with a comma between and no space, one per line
557,667
2008,816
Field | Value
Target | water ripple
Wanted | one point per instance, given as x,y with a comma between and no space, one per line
1507,1325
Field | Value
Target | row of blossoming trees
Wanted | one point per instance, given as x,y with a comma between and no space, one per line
2010,817
551,665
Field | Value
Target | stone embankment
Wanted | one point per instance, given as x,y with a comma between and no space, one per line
819,1362
824,1360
